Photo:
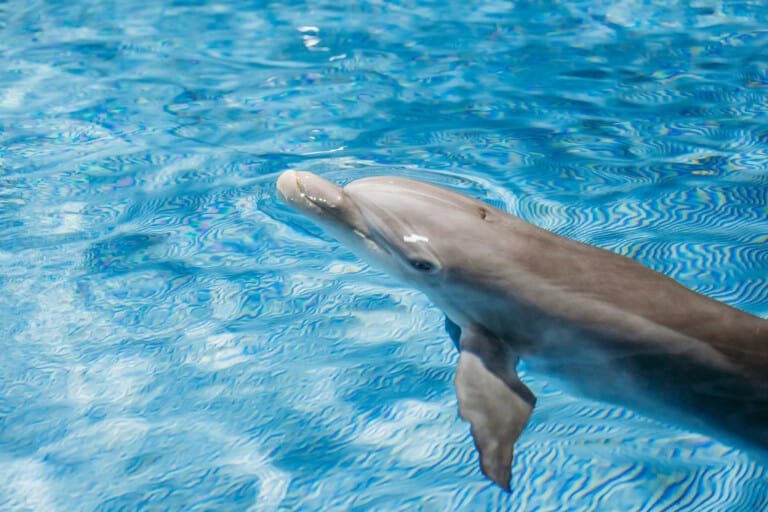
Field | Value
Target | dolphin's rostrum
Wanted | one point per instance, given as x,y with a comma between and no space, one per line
617,330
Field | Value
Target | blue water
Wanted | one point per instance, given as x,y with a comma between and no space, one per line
174,338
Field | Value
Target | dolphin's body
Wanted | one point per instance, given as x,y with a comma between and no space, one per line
618,331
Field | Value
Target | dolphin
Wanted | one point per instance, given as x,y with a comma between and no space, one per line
615,329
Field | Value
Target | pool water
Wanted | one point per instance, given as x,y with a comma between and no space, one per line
175,338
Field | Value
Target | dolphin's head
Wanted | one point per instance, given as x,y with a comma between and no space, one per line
424,234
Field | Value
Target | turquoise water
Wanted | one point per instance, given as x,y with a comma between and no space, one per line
174,338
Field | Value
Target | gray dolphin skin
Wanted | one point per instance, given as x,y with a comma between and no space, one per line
615,329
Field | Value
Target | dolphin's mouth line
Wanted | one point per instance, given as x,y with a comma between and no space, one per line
317,201
303,192
338,211
325,205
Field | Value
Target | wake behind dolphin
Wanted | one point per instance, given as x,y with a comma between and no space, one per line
617,330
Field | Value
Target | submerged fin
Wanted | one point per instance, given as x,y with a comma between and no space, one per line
494,401
454,331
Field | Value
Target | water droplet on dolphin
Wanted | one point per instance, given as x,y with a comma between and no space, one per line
413,238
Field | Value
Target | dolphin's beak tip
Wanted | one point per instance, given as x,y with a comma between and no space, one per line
287,176
288,184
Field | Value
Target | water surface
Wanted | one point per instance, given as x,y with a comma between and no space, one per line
175,339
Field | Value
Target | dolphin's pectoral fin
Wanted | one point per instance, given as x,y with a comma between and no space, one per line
494,401
454,331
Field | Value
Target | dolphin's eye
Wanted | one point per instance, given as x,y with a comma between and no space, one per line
424,266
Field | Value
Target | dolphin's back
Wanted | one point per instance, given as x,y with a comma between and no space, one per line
679,346
586,273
